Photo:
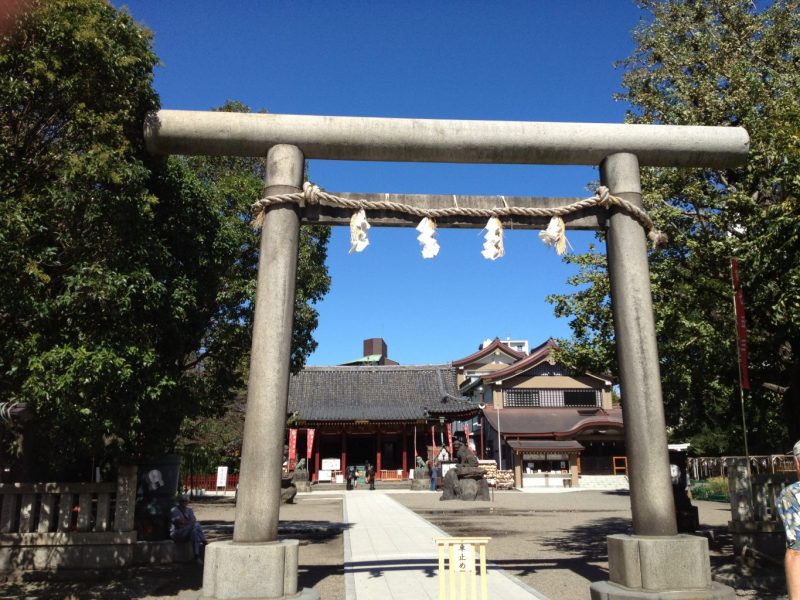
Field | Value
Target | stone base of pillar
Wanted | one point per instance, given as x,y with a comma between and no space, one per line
235,571
303,486
604,590
659,568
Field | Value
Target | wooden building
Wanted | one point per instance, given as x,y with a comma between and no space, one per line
382,413
558,421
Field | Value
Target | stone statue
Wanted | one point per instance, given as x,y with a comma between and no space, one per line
466,480
464,455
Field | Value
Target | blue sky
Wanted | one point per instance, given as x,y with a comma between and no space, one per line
527,60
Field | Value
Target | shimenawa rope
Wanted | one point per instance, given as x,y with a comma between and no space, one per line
313,195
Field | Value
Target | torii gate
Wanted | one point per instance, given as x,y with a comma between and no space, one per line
654,560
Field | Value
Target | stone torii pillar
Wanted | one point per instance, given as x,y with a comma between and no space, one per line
652,563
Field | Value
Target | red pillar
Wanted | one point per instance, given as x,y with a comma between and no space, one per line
404,437
378,457
316,459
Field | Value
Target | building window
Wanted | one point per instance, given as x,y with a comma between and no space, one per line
551,398
581,398
515,398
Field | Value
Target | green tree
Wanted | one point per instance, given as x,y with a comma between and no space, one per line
126,279
715,62
234,182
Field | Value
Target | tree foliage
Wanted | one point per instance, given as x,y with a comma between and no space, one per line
715,62
126,280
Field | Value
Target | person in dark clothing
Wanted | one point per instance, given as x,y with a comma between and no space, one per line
351,477
371,476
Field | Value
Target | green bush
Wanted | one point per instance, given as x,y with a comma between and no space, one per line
715,489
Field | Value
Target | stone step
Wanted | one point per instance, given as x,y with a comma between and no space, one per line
604,482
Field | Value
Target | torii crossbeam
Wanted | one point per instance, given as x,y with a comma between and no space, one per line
652,561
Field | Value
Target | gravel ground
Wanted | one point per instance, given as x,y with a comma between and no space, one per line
556,543
553,542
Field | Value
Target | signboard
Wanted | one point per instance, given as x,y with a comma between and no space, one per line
543,456
465,559
446,467
324,475
332,464
222,477
534,456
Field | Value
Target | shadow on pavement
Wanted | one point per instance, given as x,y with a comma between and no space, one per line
377,568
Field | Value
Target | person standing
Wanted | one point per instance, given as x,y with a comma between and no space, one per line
371,475
434,475
788,506
351,476
183,527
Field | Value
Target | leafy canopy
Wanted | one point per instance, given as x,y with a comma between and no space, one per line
126,281
715,62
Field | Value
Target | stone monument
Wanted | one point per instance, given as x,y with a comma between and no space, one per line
288,488
422,477
466,480
686,514
300,476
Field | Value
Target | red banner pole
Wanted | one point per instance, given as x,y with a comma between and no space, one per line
741,345
450,438
292,448
310,444
741,325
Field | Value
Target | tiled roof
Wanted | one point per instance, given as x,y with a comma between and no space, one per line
545,445
555,422
369,358
379,393
486,350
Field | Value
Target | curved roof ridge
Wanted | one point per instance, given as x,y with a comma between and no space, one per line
486,350
433,367
536,356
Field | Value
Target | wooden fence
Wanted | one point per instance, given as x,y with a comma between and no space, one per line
207,482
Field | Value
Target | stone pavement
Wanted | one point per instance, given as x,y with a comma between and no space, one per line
390,552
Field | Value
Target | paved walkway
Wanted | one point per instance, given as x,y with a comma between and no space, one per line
389,552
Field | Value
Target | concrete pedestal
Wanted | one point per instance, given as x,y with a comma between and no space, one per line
659,568
238,571
421,483
303,486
